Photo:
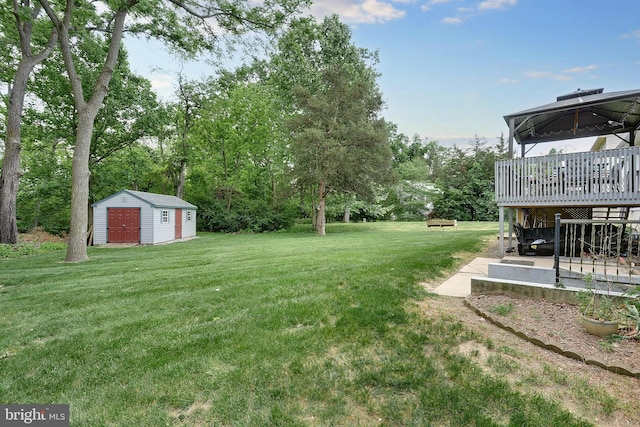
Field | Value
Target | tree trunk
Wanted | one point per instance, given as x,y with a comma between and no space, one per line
228,195
181,179
314,211
77,250
11,172
87,111
272,179
347,214
10,178
321,219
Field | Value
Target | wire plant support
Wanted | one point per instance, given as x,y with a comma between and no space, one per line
608,249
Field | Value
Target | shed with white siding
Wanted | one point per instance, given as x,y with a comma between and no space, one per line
147,218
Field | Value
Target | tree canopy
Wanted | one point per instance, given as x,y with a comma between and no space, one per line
340,141
187,27
297,134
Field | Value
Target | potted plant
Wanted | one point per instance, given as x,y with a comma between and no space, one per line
599,311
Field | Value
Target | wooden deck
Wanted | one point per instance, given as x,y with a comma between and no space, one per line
599,178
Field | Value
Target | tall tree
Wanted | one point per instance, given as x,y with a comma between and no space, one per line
128,116
341,144
33,46
189,100
187,26
467,192
239,134
419,164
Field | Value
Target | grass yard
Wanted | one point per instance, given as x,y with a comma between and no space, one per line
254,330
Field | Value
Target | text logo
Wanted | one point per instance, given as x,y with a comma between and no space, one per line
34,415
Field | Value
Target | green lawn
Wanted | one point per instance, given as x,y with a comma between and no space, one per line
254,330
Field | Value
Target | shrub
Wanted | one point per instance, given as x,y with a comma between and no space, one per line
26,249
244,215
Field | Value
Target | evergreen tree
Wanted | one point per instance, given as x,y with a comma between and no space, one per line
340,142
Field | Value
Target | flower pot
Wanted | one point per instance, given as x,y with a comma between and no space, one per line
600,328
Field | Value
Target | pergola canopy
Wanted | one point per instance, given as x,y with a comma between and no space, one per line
580,114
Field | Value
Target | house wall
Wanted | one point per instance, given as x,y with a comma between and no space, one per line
99,225
164,232
122,201
188,226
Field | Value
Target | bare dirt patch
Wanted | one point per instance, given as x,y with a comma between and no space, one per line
602,397
559,324
194,415
38,235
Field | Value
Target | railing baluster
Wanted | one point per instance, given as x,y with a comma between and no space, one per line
589,178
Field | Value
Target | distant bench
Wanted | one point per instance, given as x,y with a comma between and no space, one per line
442,223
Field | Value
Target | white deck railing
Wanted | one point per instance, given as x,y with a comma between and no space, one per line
599,178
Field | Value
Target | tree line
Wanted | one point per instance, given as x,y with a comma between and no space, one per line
295,133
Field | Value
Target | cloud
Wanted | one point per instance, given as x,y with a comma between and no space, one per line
464,13
635,34
429,5
452,20
432,3
358,11
496,4
162,84
581,69
564,75
547,75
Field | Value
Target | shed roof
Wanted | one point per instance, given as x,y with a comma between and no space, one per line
153,199
583,113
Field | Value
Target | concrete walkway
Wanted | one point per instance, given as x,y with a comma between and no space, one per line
459,285
129,245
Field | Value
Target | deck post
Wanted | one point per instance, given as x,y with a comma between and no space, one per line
632,143
512,131
510,245
556,248
501,233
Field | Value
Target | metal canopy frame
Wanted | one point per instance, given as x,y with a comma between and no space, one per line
579,114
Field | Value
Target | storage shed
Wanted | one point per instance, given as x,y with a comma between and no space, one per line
137,217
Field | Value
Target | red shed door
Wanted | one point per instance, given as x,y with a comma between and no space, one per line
178,223
123,225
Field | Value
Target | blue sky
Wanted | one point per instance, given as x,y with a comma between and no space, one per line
451,69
